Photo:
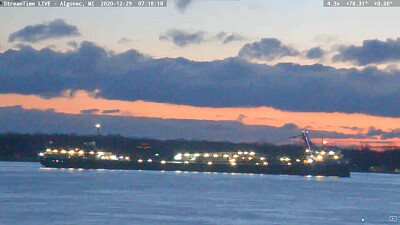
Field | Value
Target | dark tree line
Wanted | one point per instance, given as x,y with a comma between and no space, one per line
366,160
25,147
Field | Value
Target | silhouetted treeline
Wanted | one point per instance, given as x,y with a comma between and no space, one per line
25,147
366,160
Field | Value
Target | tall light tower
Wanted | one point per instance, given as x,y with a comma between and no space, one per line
98,128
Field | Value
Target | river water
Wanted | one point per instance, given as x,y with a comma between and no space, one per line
30,194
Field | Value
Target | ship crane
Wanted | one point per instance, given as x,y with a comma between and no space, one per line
304,135
309,146
307,142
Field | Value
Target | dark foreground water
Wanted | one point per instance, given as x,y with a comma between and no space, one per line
30,194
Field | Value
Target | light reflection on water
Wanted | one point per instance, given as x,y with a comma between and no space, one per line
30,194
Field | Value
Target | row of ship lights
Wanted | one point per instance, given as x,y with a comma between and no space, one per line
321,155
231,161
102,155
206,155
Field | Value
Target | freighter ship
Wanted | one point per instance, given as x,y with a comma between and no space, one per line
315,162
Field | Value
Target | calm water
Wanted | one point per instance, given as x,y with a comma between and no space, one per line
30,194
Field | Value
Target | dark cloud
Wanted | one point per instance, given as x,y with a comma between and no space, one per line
124,40
392,134
182,5
89,111
111,111
359,129
315,53
267,49
370,52
225,38
72,44
182,38
16,119
372,131
232,82
39,32
233,37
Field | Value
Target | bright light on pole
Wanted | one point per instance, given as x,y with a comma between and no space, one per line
98,128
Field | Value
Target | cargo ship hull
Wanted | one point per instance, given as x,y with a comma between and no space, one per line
339,170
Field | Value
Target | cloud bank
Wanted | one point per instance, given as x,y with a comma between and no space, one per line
232,82
39,32
370,52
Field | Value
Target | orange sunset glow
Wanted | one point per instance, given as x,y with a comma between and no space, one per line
339,122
